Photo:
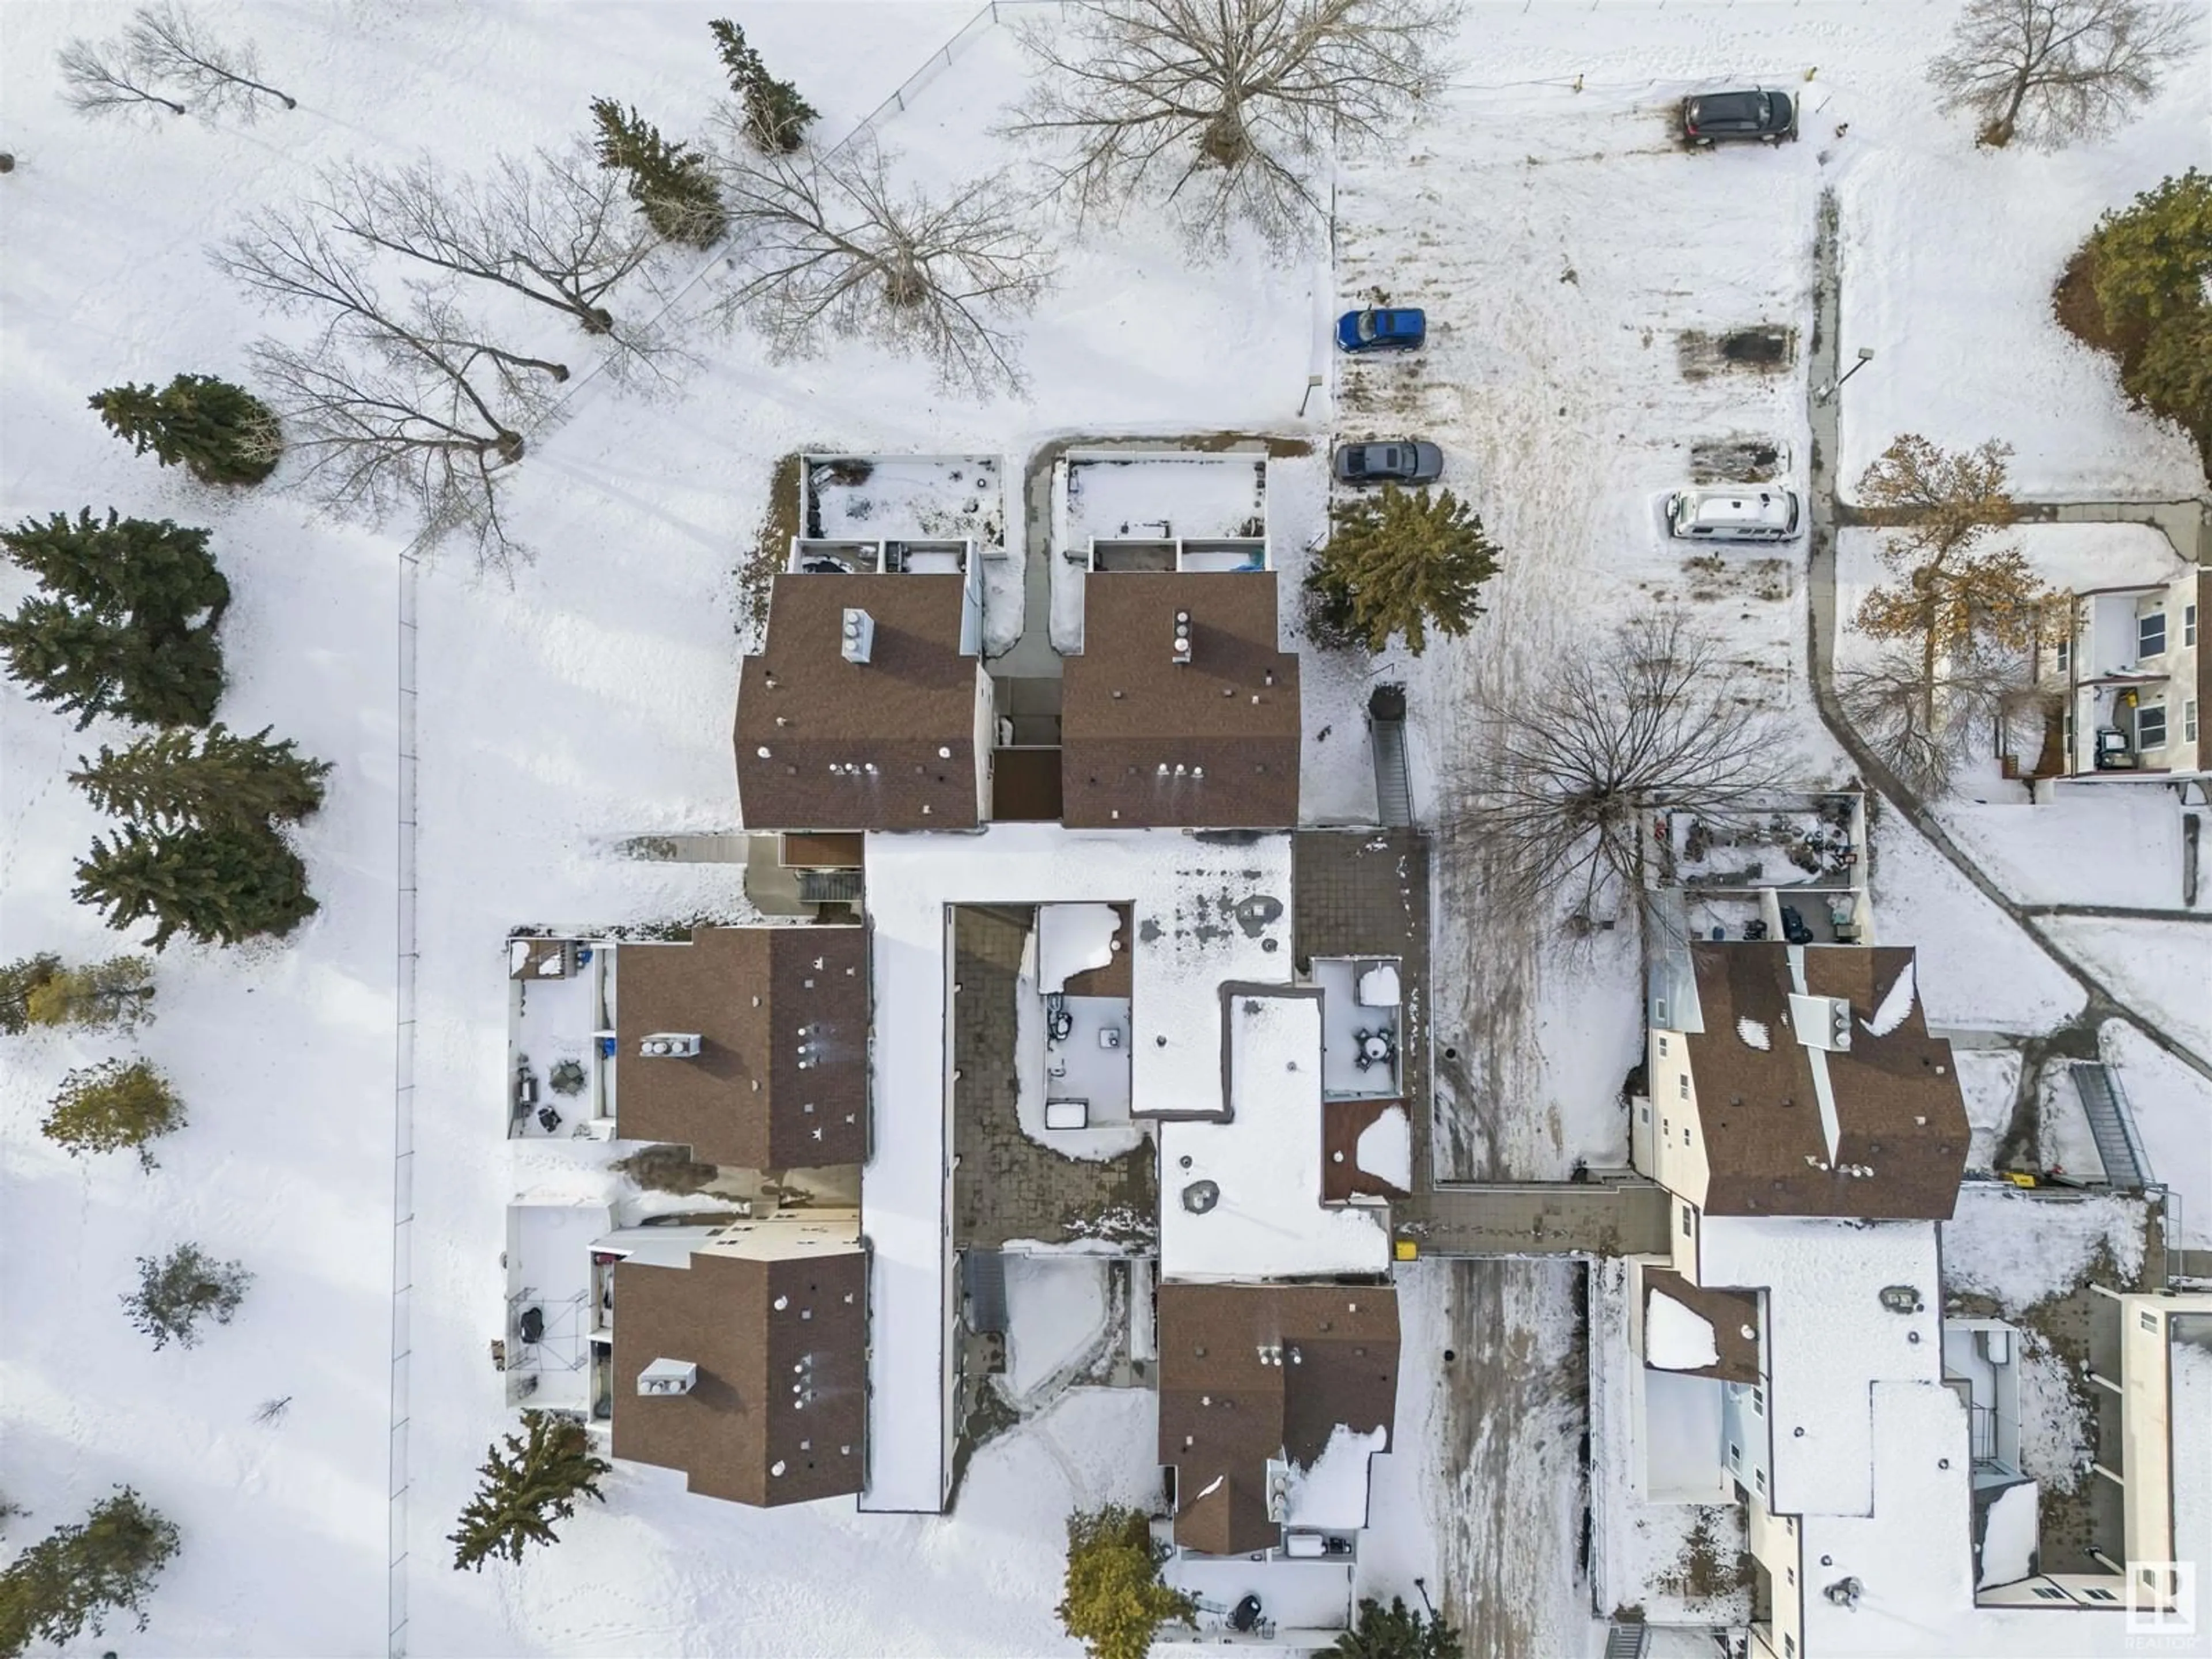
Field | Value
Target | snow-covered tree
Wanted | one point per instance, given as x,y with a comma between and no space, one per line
1397,1631
1401,562
176,1291
1648,715
222,432
534,1482
1114,1601
217,885
125,623
2054,72
19,980
834,248
112,1106
775,117
70,1580
204,779
667,180
1224,111
172,45
100,78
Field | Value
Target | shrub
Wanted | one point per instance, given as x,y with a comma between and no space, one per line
111,1106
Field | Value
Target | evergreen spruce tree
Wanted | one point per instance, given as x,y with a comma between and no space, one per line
206,779
177,1292
116,994
218,885
111,1106
668,181
534,1483
222,432
1397,1633
1401,562
69,1580
126,623
1114,1601
776,116
20,981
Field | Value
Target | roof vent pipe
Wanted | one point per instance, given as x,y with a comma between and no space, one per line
1182,657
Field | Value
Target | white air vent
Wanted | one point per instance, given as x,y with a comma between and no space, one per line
667,1377
1822,1022
857,638
669,1045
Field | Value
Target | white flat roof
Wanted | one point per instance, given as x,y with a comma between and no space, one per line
1205,910
1828,1340
1268,1221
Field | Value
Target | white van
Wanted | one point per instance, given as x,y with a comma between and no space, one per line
1734,512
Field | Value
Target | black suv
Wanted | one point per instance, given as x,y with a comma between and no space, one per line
1712,118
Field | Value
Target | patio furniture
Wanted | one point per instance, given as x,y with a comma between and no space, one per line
531,1326
548,1119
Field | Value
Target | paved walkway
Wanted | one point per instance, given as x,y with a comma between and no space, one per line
1824,521
1533,1218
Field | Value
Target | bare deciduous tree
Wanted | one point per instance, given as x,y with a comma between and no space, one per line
834,246
2051,71
1224,107
168,43
102,80
393,405
1631,722
1924,728
555,228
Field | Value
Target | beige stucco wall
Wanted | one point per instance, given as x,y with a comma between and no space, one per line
1678,1158
1773,1542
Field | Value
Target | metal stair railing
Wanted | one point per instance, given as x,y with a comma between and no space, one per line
2111,1126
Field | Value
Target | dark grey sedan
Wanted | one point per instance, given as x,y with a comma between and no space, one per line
1712,118
1402,461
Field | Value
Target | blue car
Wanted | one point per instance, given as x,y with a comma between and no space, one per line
1382,331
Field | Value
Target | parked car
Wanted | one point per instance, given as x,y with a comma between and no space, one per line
1402,329
1734,512
1399,461
1712,118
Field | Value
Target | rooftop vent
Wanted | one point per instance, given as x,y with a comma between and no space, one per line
857,637
667,1377
1822,1022
669,1045
1200,1196
1182,639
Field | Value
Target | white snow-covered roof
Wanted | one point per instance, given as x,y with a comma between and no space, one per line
1676,1338
1914,1556
1828,1340
1206,911
1332,1493
1268,1221
1385,1148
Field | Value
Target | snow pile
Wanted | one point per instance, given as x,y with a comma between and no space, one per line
2008,1534
1754,1032
1896,1006
1055,1313
1071,939
1386,1149
1378,987
1677,1338
2020,1248
1332,1493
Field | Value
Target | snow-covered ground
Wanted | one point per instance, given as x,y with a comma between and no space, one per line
2160,968
588,702
2019,1248
2173,1110
1055,1310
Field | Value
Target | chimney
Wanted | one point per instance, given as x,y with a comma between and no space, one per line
669,1045
1181,657
857,637
667,1377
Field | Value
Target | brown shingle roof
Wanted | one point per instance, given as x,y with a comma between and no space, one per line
1730,1313
909,711
1898,1104
1126,709
1237,1412
745,1100
740,1417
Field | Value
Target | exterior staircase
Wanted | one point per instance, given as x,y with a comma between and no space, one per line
985,1274
1626,1641
2126,1168
1394,792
